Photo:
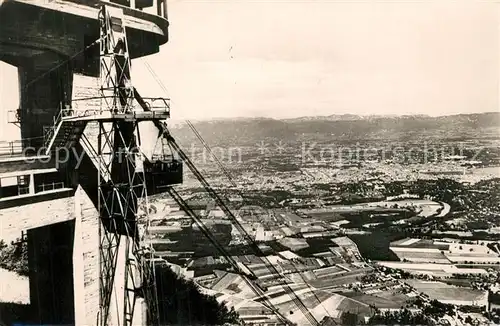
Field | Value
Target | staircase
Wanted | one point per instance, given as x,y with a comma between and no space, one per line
64,134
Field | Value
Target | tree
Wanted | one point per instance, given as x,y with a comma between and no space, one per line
181,303
349,318
14,257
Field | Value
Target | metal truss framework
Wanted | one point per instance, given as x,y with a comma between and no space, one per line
122,204
121,193
122,198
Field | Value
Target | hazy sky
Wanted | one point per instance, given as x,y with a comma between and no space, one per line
294,58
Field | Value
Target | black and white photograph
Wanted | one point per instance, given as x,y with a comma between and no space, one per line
249,162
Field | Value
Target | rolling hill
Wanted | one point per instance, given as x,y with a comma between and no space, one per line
344,127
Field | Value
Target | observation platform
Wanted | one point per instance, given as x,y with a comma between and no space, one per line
47,31
108,116
158,109
15,159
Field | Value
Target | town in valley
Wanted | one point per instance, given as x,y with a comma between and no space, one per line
380,239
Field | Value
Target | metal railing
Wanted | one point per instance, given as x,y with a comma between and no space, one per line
155,7
79,113
161,8
49,132
159,105
17,147
168,160
11,148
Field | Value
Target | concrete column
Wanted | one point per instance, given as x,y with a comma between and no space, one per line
86,260
32,184
158,7
165,12
78,263
41,92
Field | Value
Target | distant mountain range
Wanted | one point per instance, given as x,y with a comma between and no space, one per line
351,117
342,127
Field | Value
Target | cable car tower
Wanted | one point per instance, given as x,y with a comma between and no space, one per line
120,193
122,189
120,178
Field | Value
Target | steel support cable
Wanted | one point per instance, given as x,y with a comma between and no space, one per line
162,127
185,207
147,267
227,173
209,235
255,288
207,147
241,194
226,210
298,302
243,232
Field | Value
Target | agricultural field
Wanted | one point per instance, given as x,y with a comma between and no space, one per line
420,243
316,245
394,296
339,280
465,282
374,300
423,208
354,306
375,245
358,215
332,270
430,257
294,244
333,306
313,299
448,293
380,213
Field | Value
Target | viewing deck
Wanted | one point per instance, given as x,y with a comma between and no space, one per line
108,116
55,28
15,159
90,108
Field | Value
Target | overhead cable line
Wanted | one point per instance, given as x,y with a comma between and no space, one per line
300,305
255,288
163,129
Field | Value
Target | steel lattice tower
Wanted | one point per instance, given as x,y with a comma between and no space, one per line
122,190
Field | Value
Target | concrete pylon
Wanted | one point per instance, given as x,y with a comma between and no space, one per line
86,270
86,260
